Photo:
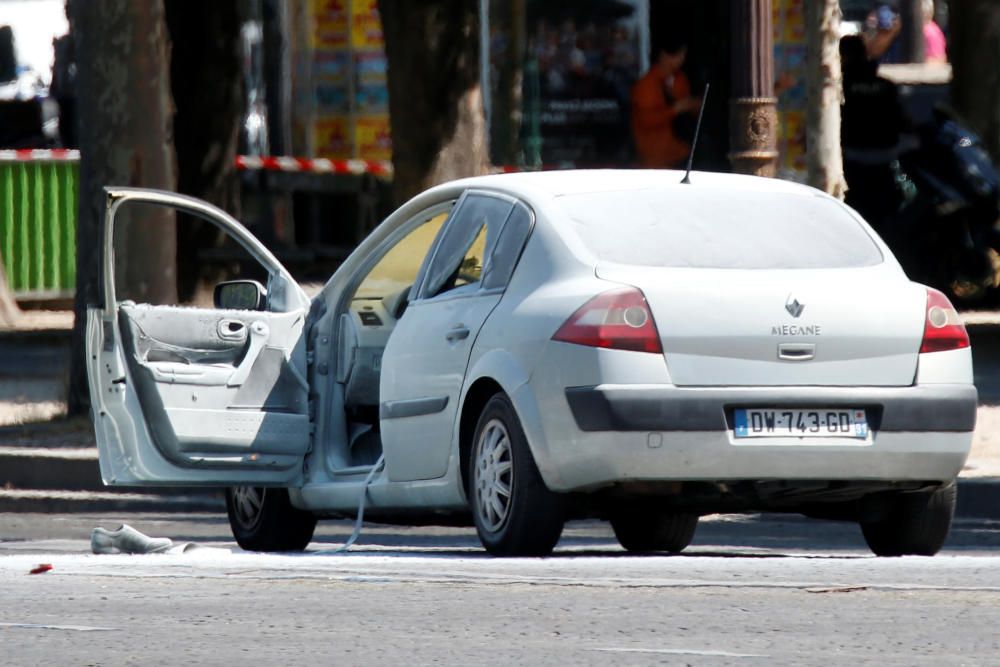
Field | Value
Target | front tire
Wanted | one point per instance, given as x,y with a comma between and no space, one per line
914,524
640,531
264,519
515,513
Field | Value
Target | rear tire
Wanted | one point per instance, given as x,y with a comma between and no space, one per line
263,519
915,524
515,513
645,531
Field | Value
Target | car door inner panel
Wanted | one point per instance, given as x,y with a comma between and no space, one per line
212,386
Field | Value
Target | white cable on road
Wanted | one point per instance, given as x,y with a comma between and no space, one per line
360,519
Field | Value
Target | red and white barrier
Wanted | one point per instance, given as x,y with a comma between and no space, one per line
40,155
243,162
314,166
382,168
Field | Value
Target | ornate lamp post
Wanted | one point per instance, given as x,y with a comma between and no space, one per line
753,118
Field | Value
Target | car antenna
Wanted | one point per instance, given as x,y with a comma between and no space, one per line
694,142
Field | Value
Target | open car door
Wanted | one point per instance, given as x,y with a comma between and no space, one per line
199,396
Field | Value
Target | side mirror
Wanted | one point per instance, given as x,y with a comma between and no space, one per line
240,295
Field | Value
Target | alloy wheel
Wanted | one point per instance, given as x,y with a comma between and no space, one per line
248,501
494,475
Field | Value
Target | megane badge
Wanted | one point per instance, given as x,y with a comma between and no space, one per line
793,306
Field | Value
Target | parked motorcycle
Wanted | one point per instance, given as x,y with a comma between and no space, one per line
945,229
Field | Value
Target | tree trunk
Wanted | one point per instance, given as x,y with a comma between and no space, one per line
824,89
9,312
278,75
974,51
506,120
206,81
125,114
435,101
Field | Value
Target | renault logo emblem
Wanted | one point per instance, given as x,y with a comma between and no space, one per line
793,306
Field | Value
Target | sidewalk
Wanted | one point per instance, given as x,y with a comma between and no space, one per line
49,463
33,363
984,459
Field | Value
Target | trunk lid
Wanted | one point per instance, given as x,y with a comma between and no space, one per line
838,327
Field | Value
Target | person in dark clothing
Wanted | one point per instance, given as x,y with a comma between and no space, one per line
63,89
872,125
8,57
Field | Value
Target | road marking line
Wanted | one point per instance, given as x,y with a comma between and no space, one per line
43,626
681,651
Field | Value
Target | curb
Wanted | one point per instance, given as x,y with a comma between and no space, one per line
978,498
23,501
66,469
46,337
67,480
69,469
29,360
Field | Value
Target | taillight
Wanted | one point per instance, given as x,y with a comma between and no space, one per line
943,330
618,320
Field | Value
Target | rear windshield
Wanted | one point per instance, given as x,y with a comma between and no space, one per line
721,229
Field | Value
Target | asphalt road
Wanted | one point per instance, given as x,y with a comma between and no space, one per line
750,591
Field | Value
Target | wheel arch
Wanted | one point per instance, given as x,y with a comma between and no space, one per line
476,398
489,373
498,371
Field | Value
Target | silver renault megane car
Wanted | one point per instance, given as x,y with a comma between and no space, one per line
520,350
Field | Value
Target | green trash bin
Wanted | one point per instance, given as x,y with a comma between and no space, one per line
38,206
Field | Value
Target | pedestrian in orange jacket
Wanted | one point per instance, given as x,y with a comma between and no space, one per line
659,98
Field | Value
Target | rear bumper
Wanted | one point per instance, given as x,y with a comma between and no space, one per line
607,434
594,460
935,408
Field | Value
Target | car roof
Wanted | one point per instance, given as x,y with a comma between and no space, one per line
578,181
541,188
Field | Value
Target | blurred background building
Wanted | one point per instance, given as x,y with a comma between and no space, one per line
557,76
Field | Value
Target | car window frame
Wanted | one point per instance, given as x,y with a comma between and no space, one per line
426,215
465,291
516,260
469,232
284,294
411,225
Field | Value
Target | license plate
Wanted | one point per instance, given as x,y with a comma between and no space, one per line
801,423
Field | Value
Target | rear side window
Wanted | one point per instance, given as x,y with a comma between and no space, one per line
722,229
508,247
467,243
